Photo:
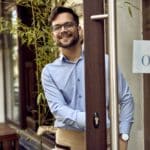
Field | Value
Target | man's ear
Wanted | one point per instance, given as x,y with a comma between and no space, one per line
53,35
79,28
81,33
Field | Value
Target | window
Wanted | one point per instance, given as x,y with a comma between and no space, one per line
11,68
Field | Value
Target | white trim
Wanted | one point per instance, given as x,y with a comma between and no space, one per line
2,106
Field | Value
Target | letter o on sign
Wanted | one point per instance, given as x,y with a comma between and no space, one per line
146,60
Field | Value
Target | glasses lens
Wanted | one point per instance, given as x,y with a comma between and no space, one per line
66,25
56,27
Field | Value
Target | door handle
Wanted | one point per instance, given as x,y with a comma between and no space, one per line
112,42
99,17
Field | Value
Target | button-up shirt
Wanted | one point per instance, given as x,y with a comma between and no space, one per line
64,88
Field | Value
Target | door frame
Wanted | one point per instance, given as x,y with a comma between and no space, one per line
94,76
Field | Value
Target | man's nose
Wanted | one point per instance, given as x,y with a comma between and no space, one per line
63,28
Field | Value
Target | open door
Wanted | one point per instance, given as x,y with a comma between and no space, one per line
146,36
94,76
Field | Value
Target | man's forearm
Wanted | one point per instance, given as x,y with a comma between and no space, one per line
123,145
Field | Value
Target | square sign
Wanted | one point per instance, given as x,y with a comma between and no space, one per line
141,56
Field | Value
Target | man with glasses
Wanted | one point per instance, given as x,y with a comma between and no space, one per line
63,84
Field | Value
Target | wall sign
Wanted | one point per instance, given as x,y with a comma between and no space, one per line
141,56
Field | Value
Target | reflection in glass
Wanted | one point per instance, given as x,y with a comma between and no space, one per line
12,71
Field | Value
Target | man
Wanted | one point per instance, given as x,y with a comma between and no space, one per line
63,84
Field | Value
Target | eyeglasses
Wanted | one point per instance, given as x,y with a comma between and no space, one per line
66,25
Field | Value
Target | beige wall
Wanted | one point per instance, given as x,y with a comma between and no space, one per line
129,29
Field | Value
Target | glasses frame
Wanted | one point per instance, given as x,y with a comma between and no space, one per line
67,26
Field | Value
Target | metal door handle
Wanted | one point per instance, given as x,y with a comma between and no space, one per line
99,17
96,120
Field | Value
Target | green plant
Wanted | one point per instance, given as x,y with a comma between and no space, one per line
37,36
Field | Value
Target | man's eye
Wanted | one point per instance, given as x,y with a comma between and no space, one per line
57,27
69,24
66,25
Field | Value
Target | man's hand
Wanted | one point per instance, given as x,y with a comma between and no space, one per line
123,144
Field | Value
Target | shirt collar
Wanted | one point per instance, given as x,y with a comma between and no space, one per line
65,59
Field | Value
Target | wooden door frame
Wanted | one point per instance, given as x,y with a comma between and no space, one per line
94,75
146,77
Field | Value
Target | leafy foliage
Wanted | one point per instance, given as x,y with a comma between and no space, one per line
38,36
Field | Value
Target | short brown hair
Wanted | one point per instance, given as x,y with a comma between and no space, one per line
60,9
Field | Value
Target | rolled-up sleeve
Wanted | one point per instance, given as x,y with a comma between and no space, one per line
57,104
126,105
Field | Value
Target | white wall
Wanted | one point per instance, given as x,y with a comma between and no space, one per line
129,29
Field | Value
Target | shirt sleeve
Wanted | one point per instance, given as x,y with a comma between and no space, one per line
58,106
126,105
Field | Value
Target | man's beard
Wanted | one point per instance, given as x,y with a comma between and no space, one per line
72,43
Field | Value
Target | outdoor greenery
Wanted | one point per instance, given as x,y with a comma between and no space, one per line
39,36
36,36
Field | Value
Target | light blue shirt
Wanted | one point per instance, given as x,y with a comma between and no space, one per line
64,88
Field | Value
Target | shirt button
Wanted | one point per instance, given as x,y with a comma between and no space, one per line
78,80
80,96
